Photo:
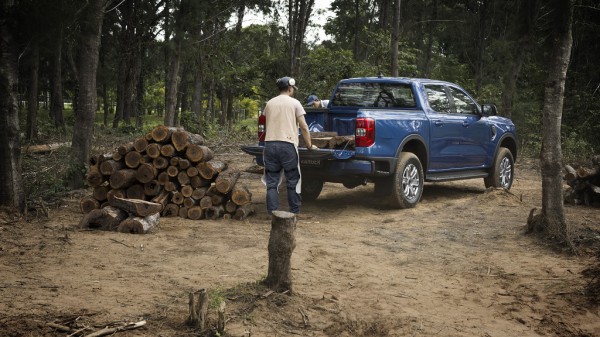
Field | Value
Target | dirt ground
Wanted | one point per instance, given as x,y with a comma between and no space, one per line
458,264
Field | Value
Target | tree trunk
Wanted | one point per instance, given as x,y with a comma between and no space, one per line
282,242
32,91
56,96
171,85
139,225
107,218
553,219
91,27
395,37
11,187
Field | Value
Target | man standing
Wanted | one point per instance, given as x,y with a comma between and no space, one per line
284,114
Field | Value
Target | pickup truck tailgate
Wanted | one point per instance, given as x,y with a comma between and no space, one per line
305,155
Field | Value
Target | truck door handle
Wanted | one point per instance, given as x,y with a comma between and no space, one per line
438,123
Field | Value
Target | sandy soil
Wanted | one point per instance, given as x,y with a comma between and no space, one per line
458,264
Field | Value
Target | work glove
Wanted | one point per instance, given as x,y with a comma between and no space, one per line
312,147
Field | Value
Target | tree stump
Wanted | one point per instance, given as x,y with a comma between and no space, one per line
198,302
282,242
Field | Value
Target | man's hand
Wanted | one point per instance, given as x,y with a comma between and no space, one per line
312,147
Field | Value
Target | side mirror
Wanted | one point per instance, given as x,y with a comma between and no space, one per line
489,110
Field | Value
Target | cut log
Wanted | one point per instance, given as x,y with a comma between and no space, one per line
177,198
139,225
171,210
153,150
198,153
208,170
243,212
226,180
136,207
198,181
162,199
111,166
117,156
241,195
183,212
195,213
167,150
125,148
313,135
135,191
43,148
132,159
140,144
152,188
227,216
172,186
192,171
148,137
107,218
282,242
94,178
230,207
122,178
146,159
115,193
571,174
189,202
163,133
88,204
100,192
174,161
187,191
99,159
163,178
205,202
199,193
181,139
183,164
146,173
172,171
160,162
183,178
214,212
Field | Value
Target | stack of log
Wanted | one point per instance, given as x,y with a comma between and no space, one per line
584,184
329,140
173,168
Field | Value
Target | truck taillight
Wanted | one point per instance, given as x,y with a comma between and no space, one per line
262,121
365,132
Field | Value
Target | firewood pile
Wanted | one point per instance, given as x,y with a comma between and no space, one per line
168,167
584,184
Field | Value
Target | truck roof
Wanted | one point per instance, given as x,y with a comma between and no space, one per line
392,79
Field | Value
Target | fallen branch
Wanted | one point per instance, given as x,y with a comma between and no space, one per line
110,331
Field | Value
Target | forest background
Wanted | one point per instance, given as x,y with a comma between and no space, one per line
137,63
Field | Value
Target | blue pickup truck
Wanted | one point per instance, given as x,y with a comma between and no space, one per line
406,131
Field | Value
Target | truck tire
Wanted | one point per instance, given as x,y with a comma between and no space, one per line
502,172
407,181
311,188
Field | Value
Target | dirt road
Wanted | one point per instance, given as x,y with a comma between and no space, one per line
456,265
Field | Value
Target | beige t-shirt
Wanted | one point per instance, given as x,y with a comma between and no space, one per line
281,113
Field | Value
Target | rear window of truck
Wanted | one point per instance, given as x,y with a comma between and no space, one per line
373,94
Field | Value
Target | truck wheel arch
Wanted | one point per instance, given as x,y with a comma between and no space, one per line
508,142
417,145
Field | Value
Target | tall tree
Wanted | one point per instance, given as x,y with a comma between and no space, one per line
553,218
11,187
32,89
173,63
90,24
299,12
395,37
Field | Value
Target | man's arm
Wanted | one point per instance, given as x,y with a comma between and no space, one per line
305,132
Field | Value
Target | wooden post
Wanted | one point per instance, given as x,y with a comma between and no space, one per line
282,242
198,302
